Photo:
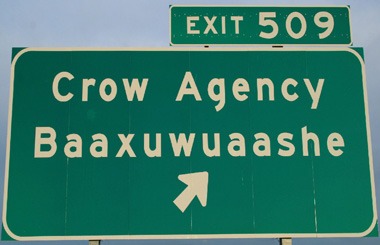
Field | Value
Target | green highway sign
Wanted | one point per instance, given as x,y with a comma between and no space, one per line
259,25
178,143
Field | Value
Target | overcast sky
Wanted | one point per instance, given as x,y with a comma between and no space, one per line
143,23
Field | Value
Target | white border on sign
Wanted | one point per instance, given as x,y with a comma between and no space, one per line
255,44
189,236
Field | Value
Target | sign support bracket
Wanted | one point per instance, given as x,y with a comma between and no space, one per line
285,241
94,242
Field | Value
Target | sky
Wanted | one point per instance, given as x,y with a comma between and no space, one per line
143,23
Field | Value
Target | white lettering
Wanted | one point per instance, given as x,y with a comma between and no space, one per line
182,143
237,20
148,151
136,88
282,140
314,94
262,145
49,141
206,149
56,81
74,142
237,141
240,85
193,90
305,142
269,84
285,91
108,82
335,140
210,25
223,24
191,24
220,96
125,145
86,84
99,148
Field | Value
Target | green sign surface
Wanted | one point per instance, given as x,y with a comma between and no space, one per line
260,25
200,143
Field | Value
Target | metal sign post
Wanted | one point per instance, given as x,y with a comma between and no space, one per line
285,241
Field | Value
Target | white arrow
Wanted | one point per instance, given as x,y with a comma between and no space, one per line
197,184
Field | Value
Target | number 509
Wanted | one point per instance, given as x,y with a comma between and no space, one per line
322,19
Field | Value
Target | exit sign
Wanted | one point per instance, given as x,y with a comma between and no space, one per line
188,143
260,25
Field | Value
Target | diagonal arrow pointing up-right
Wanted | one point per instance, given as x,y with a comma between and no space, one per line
197,185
